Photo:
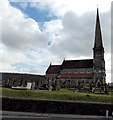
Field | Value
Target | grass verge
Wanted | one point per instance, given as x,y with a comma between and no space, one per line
62,94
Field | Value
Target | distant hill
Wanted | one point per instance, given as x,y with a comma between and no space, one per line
4,76
10,78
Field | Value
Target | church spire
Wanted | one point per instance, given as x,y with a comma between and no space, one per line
98,56
98,36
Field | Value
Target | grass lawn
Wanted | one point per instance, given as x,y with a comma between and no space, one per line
62,94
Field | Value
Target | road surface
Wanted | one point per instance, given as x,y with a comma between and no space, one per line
9,115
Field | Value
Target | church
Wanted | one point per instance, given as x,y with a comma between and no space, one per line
84,72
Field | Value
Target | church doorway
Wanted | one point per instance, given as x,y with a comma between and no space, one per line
98,84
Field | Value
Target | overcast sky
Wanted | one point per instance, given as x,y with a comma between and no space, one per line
33,34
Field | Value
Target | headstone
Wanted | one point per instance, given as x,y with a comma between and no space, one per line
50,89
29,85
106,113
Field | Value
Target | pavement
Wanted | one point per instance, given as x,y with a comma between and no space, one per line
11,115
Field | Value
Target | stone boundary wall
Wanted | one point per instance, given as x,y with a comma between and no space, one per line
58,107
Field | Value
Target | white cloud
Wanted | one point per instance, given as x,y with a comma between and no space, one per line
108,67
30,61
53,29
19,31
24,5
19,35
60,7
76,30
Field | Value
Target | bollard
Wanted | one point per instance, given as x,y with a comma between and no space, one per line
106,113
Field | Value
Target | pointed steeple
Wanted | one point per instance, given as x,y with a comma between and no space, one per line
98,36
98,54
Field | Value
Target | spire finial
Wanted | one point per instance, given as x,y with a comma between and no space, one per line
97,8
97,13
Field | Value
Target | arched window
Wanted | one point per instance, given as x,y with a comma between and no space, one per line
13,82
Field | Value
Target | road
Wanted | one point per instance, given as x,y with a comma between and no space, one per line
50,118
9,115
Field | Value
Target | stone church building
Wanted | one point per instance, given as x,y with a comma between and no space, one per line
85,72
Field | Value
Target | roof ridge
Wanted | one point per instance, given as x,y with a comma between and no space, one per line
78,60
55,65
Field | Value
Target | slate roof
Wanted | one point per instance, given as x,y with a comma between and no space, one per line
53,69
76,75
70,64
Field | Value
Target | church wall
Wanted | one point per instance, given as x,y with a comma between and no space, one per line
51,76
99,77
74,82
51,79
69,82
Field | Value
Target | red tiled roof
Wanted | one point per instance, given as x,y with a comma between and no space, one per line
77,75
53,69
70,64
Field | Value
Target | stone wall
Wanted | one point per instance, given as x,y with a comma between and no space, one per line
50,106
